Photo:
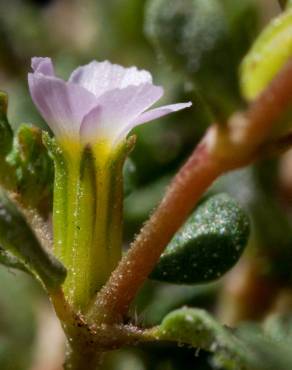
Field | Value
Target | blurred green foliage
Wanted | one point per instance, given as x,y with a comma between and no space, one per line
17,320
206,39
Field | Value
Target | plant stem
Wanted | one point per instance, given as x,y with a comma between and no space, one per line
270,105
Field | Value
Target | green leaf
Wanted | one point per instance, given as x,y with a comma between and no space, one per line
208,245
246,348
195,327
268,55
18,239
207,40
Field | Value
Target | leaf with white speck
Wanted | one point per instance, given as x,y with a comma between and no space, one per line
208,245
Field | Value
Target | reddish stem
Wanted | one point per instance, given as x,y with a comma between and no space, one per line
269,106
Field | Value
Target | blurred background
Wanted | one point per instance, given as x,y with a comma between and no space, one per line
138,32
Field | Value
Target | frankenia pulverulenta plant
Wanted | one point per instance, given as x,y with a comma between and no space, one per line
91,116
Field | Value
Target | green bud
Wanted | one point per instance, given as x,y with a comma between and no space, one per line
207,246
198,329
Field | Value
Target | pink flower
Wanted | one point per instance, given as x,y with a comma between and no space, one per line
100,101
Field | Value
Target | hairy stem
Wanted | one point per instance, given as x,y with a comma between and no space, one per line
270,105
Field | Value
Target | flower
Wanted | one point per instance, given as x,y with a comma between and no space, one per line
100,101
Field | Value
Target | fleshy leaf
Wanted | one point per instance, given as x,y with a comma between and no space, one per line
17,239
268,55
197,328
208,245
246,348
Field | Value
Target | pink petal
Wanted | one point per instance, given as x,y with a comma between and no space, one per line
117,108
61,104
152,114
43,65
101,77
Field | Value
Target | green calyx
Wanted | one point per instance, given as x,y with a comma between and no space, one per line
87,215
